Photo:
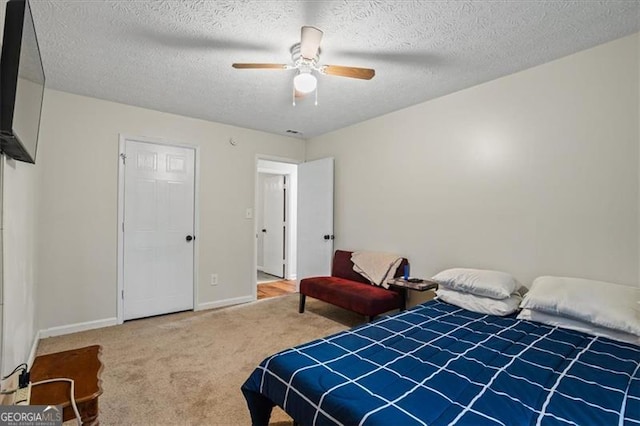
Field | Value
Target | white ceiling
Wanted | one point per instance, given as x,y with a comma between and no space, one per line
176,56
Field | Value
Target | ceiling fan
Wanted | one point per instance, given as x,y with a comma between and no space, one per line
306,57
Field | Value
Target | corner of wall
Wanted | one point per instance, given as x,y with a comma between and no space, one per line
304,151
19,252
1,263
638,146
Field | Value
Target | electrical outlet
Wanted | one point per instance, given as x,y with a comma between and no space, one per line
214,279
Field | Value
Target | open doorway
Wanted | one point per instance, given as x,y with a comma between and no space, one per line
276,221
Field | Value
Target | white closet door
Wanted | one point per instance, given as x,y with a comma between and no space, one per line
158,229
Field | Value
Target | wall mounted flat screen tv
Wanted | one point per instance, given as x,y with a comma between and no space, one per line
21,84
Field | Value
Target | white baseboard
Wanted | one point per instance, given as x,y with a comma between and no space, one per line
225,302
34,349
292,277
74,328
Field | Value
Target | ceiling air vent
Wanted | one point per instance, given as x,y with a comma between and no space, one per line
294,132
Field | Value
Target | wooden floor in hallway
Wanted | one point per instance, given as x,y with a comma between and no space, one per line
276,288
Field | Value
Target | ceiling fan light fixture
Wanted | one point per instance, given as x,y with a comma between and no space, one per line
305,82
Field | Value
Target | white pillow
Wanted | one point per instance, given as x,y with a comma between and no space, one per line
571,324
482,305
603,304
493,284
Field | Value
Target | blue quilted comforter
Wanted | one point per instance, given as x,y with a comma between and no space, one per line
437,364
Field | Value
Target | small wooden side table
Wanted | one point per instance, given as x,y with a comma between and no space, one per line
411,284
84,367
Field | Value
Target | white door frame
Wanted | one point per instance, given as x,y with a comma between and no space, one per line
120,231
255,220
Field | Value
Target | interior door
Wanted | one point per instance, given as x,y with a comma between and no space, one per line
274,230
315,218
158,229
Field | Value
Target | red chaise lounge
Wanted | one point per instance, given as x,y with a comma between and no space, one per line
349,290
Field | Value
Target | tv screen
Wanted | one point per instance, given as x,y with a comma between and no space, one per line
21,84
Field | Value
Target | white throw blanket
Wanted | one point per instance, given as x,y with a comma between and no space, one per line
376,267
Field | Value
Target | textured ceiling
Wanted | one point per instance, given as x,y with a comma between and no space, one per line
176,56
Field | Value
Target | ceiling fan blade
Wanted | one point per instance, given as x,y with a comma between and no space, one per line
353,72
310,38
260,66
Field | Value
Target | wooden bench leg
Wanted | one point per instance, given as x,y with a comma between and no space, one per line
405,295
370,317
303,297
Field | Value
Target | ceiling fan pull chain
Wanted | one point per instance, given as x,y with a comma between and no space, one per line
293,96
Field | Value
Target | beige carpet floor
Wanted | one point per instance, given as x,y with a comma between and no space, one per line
187,368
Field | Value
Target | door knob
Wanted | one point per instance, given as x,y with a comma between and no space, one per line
189,238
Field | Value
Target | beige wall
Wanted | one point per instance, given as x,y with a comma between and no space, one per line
78,161
534,173
19,249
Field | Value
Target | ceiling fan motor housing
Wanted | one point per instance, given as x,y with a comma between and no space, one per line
302,63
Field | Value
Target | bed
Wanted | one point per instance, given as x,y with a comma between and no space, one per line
438,364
